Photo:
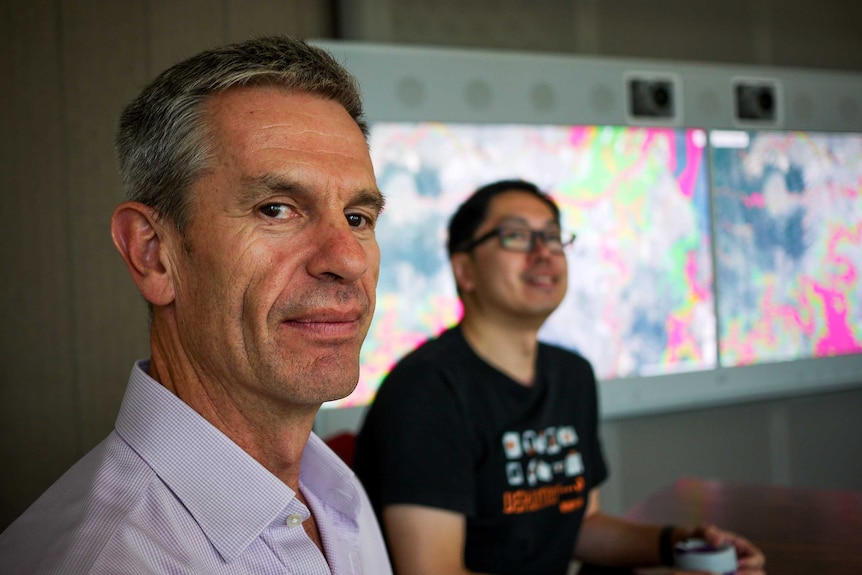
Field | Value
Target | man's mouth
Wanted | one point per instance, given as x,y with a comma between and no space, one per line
539,279
327,324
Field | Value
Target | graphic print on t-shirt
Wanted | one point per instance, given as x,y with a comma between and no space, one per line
546,469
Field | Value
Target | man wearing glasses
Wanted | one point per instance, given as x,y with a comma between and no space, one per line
481,452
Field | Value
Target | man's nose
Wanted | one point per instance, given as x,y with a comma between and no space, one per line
339,252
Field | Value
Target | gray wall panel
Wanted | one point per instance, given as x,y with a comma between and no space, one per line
101,44
38,401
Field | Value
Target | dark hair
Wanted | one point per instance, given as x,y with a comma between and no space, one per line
470,215
163,142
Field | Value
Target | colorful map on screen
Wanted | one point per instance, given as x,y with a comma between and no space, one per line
640,299
788,210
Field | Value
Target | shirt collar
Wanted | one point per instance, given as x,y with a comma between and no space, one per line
231,496
329,478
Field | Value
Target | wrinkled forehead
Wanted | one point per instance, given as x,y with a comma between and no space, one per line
263,111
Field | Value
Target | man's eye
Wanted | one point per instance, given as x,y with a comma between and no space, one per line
515,234
274,210
359,220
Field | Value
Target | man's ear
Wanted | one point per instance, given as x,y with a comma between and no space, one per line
139,239
462,270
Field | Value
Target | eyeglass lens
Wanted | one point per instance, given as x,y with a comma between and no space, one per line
524,239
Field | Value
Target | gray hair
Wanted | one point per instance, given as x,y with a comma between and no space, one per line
162,141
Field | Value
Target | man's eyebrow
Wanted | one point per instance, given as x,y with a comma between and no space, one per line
522,221
372,198
254,189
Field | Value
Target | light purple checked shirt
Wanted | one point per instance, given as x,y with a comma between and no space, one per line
166,492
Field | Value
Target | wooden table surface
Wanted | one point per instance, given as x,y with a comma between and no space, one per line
801,531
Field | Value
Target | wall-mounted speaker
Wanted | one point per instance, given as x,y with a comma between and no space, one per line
757,101
653,98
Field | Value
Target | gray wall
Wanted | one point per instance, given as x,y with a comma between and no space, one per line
73,322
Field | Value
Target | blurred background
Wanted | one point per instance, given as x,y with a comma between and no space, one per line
73,323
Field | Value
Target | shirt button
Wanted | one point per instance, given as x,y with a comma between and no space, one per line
294,520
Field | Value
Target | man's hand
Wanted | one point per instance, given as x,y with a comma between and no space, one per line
750,560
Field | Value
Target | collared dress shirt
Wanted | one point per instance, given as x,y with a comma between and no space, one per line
166,492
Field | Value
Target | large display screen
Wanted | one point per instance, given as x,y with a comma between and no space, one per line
788,234
718,256
640,299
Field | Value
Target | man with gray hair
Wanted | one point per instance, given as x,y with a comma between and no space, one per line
249,228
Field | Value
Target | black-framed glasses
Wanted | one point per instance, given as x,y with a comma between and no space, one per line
523,239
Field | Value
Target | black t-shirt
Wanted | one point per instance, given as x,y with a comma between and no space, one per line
447,430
